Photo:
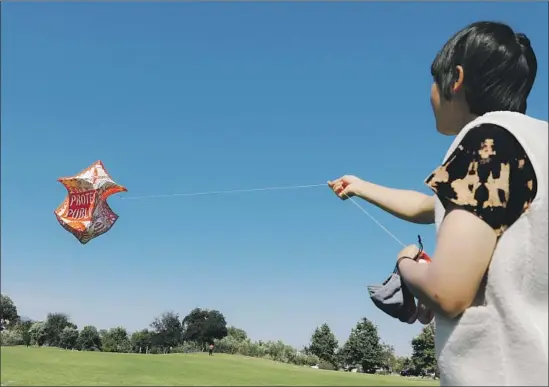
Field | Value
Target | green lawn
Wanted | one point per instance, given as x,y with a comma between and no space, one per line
52,366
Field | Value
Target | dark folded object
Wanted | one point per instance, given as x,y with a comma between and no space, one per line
394,298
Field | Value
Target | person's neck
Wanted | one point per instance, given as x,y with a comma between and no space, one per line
464,120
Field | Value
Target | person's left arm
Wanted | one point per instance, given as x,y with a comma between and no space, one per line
485,185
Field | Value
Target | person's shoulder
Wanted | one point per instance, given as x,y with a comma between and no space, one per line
490,142
489,175
486,130
512,122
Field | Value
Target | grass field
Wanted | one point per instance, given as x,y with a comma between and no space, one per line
52,366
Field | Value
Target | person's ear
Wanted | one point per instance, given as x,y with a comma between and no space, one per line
456,87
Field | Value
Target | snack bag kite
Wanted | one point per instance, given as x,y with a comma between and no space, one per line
85,212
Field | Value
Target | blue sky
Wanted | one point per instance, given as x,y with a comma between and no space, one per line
177,97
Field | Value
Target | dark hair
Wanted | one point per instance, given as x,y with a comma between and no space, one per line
499,67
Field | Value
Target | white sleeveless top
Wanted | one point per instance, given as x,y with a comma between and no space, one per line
504,340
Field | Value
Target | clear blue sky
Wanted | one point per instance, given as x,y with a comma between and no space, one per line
180,97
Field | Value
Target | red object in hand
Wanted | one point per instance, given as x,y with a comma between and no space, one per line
424,256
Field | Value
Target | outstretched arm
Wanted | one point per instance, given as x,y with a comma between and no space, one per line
411,206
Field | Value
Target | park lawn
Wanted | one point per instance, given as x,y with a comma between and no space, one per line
53,366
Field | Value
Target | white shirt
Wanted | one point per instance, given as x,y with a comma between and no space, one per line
504,340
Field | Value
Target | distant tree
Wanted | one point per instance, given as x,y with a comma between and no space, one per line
116,340
204,326
8,312
363,347
38,334
229,344
68,338
324,345
400,363
23,327
237,333
142,341
167,331
423,351
10,337
54,325
88,339
340,358
389,359
278,351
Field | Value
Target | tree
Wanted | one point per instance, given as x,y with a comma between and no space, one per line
167,331
324,345
363,347
404,366
103,333
88,339
38,333
423,351
23,327
68,338
340,358
116,340
389,360
54,325
142,341
204,326
401,364
8,312
237,333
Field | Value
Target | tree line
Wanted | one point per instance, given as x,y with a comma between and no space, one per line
363,351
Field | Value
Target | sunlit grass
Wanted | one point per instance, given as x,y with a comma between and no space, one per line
52,366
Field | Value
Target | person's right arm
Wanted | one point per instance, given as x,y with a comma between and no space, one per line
408,205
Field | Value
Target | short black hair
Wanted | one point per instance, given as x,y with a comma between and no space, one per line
499,67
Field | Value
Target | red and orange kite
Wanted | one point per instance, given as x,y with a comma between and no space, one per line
85,212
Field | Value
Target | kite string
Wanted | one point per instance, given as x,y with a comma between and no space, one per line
377,222
223,192
267,189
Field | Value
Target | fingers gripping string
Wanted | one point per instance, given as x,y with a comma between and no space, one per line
189,194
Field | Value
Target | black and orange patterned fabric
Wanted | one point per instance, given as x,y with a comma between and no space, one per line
489,175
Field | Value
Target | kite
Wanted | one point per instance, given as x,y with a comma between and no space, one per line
85,212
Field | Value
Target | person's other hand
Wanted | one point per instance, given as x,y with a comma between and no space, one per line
424,314
346,186
410,251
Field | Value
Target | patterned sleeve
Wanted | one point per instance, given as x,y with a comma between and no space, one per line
489,175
